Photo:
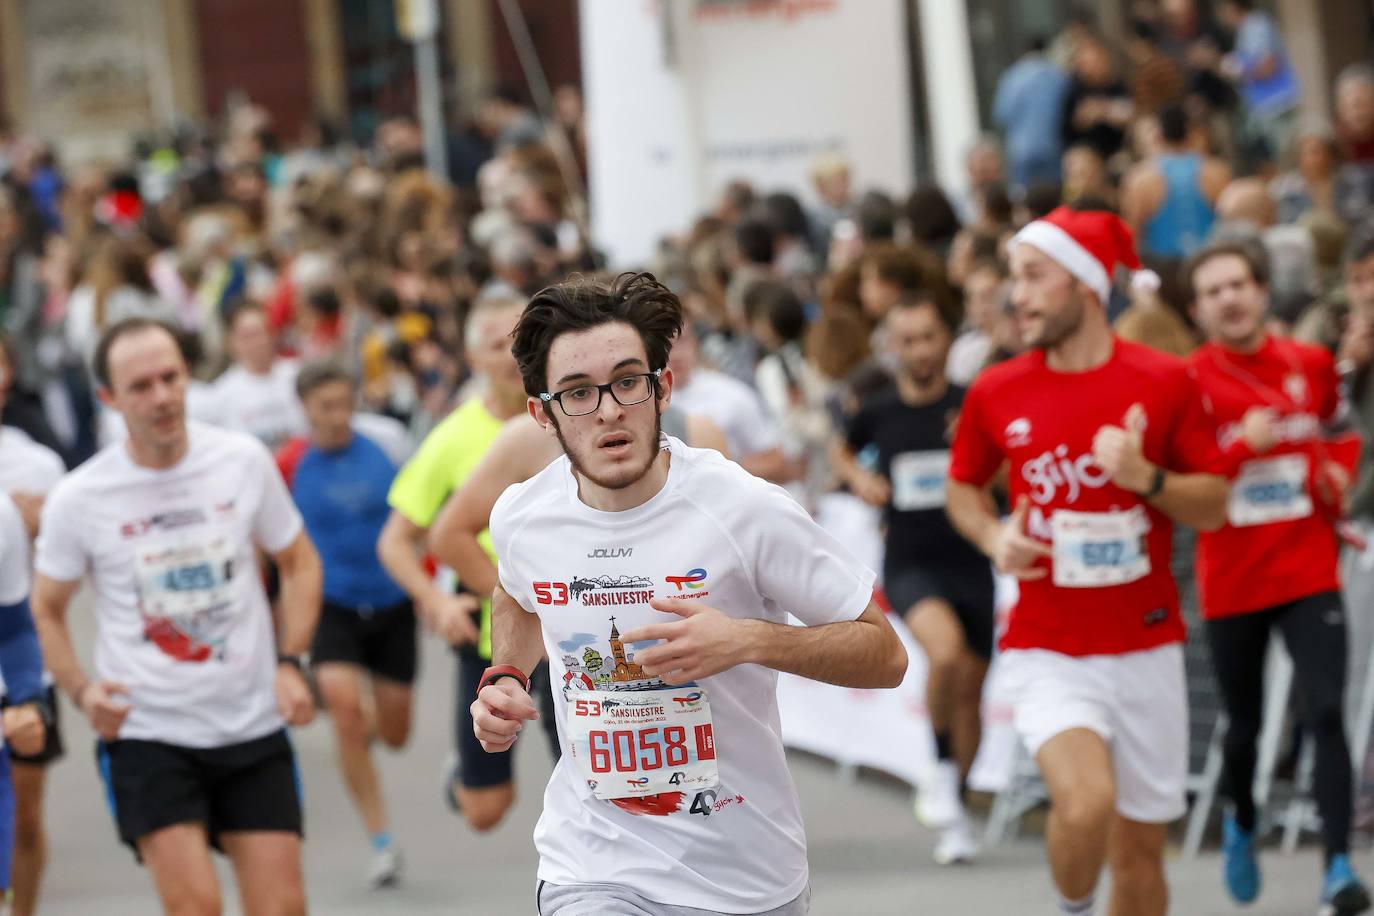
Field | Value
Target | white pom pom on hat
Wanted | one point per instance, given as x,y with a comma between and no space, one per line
1088,244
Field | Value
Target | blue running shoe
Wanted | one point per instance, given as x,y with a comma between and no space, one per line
1239,865
1343,894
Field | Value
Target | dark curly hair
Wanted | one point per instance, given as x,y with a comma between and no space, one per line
580,303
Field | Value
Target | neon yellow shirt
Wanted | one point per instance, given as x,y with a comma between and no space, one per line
444,460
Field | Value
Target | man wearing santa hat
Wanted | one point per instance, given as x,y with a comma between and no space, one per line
1107,444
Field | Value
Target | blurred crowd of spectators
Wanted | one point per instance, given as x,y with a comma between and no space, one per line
265,251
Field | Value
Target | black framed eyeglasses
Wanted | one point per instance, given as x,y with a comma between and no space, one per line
628,390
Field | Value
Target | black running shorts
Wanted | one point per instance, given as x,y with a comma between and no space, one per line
382,641
966,587
252,785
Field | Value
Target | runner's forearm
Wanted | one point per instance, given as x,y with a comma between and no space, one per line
49,601
1195,500
856,653
302,590
772,465
453,541
843,462
516,635
973,514
398,549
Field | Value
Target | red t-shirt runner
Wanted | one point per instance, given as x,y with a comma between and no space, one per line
1109,590
1278,543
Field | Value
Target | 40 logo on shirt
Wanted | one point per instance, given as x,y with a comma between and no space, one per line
694,581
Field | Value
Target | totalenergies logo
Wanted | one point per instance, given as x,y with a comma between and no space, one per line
641,781
691,701
694,579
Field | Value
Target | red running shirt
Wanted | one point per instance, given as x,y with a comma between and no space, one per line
1278,544
1110,590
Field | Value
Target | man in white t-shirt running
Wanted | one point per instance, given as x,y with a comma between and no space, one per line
658,578
192,687
257,394
750,432
28,471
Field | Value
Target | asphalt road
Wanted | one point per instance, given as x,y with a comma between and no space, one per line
867,854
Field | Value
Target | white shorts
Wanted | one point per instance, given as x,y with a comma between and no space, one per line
1137,703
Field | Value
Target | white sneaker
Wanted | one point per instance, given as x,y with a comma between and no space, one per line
386,867
956,844
938,804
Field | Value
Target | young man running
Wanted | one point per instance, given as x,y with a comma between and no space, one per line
1275,564
477,784
1107,444
933,577
28,472
366,636
658,578
193,689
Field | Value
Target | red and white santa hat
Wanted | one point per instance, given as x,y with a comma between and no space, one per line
1088,244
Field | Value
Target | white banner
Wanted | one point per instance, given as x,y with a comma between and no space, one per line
684,97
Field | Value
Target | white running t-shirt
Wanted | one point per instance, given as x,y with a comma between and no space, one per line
183,619
730,840
25,464
264,406
28,467
14,553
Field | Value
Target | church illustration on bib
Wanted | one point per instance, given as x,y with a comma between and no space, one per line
616,671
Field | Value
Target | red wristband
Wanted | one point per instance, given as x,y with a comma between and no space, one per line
496,672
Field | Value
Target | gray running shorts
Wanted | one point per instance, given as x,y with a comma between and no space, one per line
609,900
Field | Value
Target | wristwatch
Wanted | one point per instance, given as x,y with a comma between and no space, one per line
1156,484
293,660
496,672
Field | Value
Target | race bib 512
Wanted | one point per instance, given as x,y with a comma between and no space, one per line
1095,549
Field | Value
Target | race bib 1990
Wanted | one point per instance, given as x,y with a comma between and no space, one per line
1094,549
1270,490
184,579
918,480
634,743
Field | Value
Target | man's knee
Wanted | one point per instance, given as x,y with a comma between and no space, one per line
394,730
1136,868
191,900
485,808
1327,719
349,720
1088,805
943,666
289,899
